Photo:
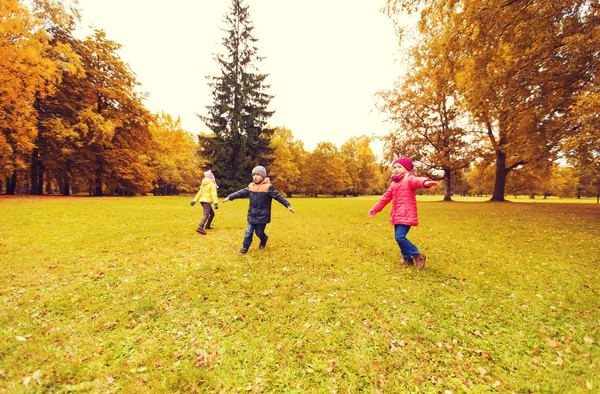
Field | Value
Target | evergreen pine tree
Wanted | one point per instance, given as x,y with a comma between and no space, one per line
238,117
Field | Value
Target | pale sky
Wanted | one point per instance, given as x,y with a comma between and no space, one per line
325,59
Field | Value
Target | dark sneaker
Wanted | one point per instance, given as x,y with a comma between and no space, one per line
263,243
243,250
419,261
208,228
201,231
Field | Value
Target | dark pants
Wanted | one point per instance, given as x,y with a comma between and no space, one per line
252,228
209,215
406,247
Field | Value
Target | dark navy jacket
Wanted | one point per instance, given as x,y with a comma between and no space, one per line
261,196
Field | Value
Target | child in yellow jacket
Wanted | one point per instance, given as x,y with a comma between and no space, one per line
207,195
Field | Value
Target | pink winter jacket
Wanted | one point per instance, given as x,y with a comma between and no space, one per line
404,200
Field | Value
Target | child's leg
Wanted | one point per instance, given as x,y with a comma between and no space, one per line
248,234
260,233
406,247
211,216
206,208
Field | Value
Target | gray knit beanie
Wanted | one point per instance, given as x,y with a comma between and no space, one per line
260,170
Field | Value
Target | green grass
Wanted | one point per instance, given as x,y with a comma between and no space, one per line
121,295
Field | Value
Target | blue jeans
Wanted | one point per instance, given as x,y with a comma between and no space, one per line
259,229
406,247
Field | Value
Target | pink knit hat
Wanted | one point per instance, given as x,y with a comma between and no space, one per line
208,174
405,162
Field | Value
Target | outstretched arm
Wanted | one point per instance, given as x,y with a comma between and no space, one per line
421,182
383,201
239,194
280,199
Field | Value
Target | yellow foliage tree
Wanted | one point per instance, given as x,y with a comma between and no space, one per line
519,66
27,72
173,158
288,159
325,171
363,171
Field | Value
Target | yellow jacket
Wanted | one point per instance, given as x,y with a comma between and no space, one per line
207,192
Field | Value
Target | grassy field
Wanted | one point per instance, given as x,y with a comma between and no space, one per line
103,295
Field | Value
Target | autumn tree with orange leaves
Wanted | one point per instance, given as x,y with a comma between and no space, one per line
519,66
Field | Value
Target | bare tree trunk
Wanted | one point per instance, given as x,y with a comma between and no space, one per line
34,171
11,183
98,180
500,184
37,173
40,185
65,187
448,182
48,184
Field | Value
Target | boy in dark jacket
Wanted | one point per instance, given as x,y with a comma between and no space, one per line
261,193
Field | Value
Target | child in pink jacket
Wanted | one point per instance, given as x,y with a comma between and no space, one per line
402,193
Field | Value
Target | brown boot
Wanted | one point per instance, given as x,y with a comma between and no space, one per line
407,262
201,231
419,261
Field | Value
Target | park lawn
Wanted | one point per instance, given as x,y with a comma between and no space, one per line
121,295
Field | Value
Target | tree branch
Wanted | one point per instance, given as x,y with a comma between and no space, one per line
515,165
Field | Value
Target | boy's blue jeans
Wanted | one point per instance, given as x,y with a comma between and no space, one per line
259,229
406,247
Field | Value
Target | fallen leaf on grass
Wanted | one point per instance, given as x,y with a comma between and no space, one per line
204,358
483,353
396,346
482,371
588,340
21,339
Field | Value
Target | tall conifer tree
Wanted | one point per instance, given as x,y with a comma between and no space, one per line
238,116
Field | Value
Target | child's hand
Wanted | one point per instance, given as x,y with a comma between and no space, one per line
193,203
372,213
430,183
291,209
225,200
